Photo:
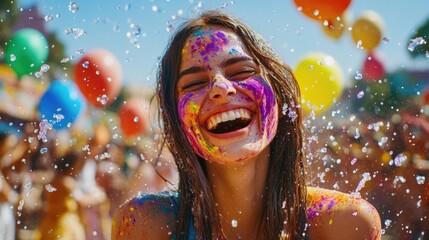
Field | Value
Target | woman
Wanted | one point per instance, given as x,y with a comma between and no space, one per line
239,158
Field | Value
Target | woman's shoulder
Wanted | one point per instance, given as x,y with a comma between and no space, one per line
147,216
336,215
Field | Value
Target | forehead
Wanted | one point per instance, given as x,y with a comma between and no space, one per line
211,41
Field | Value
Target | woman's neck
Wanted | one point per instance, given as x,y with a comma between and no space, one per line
239,194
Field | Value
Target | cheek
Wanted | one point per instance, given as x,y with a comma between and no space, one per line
262,93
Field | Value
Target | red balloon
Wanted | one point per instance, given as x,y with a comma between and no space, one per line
426,96
373,68
134,117
322,10
98,74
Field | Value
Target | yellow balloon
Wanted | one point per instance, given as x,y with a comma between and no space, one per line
320,81
367,30
335,28
7,74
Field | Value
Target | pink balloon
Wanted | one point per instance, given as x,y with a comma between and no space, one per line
373,67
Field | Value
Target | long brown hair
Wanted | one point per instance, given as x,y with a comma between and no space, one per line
284,211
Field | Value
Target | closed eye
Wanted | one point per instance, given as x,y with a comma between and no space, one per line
194,85
241,75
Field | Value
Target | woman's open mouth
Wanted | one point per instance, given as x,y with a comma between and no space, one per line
229,121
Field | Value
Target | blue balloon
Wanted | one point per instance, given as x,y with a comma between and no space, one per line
61,104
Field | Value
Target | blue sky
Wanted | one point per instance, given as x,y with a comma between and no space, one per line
289,32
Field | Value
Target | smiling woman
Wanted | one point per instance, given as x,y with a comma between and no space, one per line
240,161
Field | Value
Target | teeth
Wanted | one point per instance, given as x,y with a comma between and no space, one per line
230,115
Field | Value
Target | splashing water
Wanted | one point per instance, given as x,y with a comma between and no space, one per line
50,188
234,223
169,27
360,94
365,178
420,179
399,159
413,43
73,7
386,40
103,99
358,75
76,32
43,150
44,125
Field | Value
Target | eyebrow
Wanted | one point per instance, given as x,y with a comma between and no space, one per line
228,62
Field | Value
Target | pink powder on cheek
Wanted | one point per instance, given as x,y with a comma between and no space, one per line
264,96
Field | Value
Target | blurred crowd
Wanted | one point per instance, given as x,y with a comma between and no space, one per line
60,185
383,160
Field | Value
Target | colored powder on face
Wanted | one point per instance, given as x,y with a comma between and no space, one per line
206,42
188,112
265,98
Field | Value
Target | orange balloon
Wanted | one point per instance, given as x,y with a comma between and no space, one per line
335,28
368,30
322,10
98,74
134,117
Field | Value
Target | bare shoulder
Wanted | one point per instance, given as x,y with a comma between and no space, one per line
336,215
147,216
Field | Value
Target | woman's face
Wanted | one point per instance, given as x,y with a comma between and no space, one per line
226,105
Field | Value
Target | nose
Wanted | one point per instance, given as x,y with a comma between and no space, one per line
221,88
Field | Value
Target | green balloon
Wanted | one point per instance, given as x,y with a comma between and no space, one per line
26,51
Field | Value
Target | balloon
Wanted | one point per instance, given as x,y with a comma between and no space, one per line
426,96
320,81
61,104
322,10
134,116
373,68
335,28
26,51
98,74
367,30
7,74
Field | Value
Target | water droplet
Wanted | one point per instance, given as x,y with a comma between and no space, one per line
73,7
386,40
420,179
360,94
136,119
354,160
427,54
387,222
76,32
154,8
169,27
38,74
64,60
316,12
48,17
103,99
12,57
85,64
44,68
358,75
234,223
413,43
399,159
359,44
382,141
50,188
94,233
43,150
